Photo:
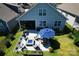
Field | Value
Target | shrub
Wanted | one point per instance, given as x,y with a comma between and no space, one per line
2,53
54,44
77,44
71,36
8,44
12,37
66,30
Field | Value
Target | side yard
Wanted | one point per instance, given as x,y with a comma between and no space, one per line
10,51
2,39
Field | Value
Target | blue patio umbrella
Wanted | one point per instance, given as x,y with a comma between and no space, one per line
46,33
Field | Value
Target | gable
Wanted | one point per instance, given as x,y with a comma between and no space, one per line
51,12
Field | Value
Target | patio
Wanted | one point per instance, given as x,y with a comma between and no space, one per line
22,44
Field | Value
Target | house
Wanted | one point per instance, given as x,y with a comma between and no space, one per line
8,15
70,11
42,15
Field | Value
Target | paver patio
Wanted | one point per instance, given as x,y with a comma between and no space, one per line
32,35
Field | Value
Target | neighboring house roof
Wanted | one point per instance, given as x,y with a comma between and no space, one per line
70,7
6,13
26,5
13,7
36,4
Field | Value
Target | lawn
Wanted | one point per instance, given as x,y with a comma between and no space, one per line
67,47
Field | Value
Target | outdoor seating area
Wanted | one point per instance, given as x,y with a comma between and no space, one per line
31,41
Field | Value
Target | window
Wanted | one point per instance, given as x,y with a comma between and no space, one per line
57,23
42,12
42,23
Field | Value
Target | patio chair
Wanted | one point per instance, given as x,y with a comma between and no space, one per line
37,48
26,32
38,39
23,35
19,42
41,40
26,38
23,48
16,48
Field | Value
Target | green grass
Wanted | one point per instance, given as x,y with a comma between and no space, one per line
67,47
2,40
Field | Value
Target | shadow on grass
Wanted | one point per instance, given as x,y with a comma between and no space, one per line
54,44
